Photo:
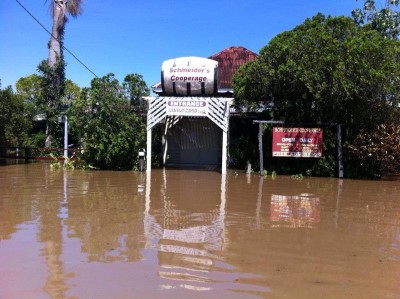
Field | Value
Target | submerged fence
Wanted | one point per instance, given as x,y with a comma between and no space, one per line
36,153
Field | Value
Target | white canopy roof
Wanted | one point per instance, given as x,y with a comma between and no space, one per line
215,108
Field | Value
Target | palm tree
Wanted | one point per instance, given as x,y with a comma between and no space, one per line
54,69
59,10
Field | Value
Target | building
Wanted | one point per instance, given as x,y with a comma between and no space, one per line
192,106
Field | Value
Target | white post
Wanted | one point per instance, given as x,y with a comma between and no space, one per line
65,138
222,210
260,147
148,189
228,103
148,152
165,142
224,149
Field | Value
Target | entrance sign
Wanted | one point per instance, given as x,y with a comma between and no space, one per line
189,76
297,142
186,106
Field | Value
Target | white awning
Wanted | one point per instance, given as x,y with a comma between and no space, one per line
215,108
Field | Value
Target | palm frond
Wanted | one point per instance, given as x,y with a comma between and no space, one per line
75,7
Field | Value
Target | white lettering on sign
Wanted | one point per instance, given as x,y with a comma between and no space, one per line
308,140
288,139
187,103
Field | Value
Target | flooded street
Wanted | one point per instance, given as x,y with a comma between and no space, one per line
195,234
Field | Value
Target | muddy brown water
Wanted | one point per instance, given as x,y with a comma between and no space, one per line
195,234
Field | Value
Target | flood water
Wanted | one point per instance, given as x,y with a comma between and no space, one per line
195,234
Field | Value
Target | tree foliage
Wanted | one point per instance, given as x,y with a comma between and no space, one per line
33,89
29,87
71,93
52,92
325,70
136,88
251,86
15,118
111,133
379,150
385,19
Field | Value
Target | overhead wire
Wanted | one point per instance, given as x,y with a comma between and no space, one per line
65,48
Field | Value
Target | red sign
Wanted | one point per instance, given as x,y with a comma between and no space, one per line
297,142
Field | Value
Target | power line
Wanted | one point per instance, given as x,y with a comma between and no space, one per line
65,48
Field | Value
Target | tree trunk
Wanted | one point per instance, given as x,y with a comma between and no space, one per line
55,54
57,30
49,134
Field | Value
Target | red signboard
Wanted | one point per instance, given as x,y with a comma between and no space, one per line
297,142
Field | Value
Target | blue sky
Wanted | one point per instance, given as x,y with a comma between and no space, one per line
128,36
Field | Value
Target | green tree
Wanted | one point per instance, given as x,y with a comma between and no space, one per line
72,92
378,150
385,19
136,88
29,87
15,118
325,70
251,85
111,133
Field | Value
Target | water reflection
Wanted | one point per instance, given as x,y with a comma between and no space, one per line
295,211
186,238
191,234
104,213
51,232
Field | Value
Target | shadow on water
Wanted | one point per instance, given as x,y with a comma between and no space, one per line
195,234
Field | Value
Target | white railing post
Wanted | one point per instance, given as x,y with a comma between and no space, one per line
148,151
65,138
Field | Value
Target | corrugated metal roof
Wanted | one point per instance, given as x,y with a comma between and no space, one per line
229,60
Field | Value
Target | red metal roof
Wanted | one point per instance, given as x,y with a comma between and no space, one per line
229,60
